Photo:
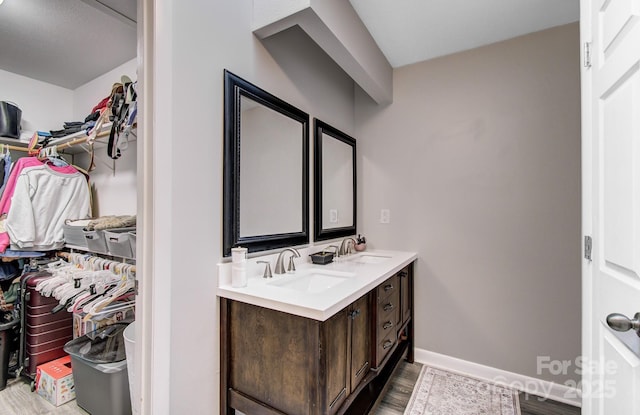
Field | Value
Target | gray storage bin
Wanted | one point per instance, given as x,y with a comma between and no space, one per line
73,232
100,371
118,243
95,241
101,389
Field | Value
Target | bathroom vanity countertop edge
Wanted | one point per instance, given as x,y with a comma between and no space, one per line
320,305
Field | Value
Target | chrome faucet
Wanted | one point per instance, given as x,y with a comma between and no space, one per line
336,249
346,247
267,269
280,261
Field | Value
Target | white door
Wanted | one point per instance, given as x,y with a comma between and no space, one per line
611,204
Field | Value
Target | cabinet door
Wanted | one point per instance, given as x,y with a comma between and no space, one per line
334,349
405,294
272,357
360,340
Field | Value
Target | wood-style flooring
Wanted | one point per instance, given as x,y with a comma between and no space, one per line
17,399
399,389
533,405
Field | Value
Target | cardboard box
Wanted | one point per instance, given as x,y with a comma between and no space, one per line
54,381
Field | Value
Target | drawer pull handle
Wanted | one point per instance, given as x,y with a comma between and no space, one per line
388,307
387,325
388,287
402,274
387,344
354,314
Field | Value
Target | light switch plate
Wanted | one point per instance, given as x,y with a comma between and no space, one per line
385,216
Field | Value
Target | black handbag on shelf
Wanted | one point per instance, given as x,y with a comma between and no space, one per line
10,118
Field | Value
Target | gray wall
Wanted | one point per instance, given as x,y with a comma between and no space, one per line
194,45
478,159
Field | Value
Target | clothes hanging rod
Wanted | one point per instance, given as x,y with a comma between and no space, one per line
13,148
67,256
80,140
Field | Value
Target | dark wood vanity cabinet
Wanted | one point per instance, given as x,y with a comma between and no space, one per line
277,363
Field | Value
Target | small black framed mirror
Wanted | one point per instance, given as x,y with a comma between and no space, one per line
266,169
335,182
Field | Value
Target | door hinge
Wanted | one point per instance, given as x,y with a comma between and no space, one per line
587,54
587,247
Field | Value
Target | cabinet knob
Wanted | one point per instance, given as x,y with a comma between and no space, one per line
402,274
354,314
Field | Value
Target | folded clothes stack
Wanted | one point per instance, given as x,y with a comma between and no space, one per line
69,127
111,222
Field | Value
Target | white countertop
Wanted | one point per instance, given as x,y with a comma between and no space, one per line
363,277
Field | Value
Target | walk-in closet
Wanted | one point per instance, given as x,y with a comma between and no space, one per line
68,206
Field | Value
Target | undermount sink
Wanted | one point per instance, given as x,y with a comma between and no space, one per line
312,281
368,258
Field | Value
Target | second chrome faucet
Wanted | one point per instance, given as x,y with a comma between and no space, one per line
346,247
280,261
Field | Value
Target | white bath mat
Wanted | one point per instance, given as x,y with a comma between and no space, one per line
438,392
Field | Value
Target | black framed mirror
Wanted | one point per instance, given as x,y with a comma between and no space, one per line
335,182
266,169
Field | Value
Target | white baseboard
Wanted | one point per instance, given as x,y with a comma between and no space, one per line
538,387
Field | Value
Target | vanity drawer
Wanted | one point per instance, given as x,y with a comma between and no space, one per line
387,288
384,346
388,305
386,326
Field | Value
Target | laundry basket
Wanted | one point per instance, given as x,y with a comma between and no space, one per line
100,371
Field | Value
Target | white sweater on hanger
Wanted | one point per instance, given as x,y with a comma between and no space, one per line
43,199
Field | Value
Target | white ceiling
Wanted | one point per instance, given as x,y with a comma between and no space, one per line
409,31
70,42
66,42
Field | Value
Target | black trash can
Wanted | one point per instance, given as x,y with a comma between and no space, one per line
99,366
7,337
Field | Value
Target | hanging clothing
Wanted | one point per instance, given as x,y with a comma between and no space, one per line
7,193
22,163
42,200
